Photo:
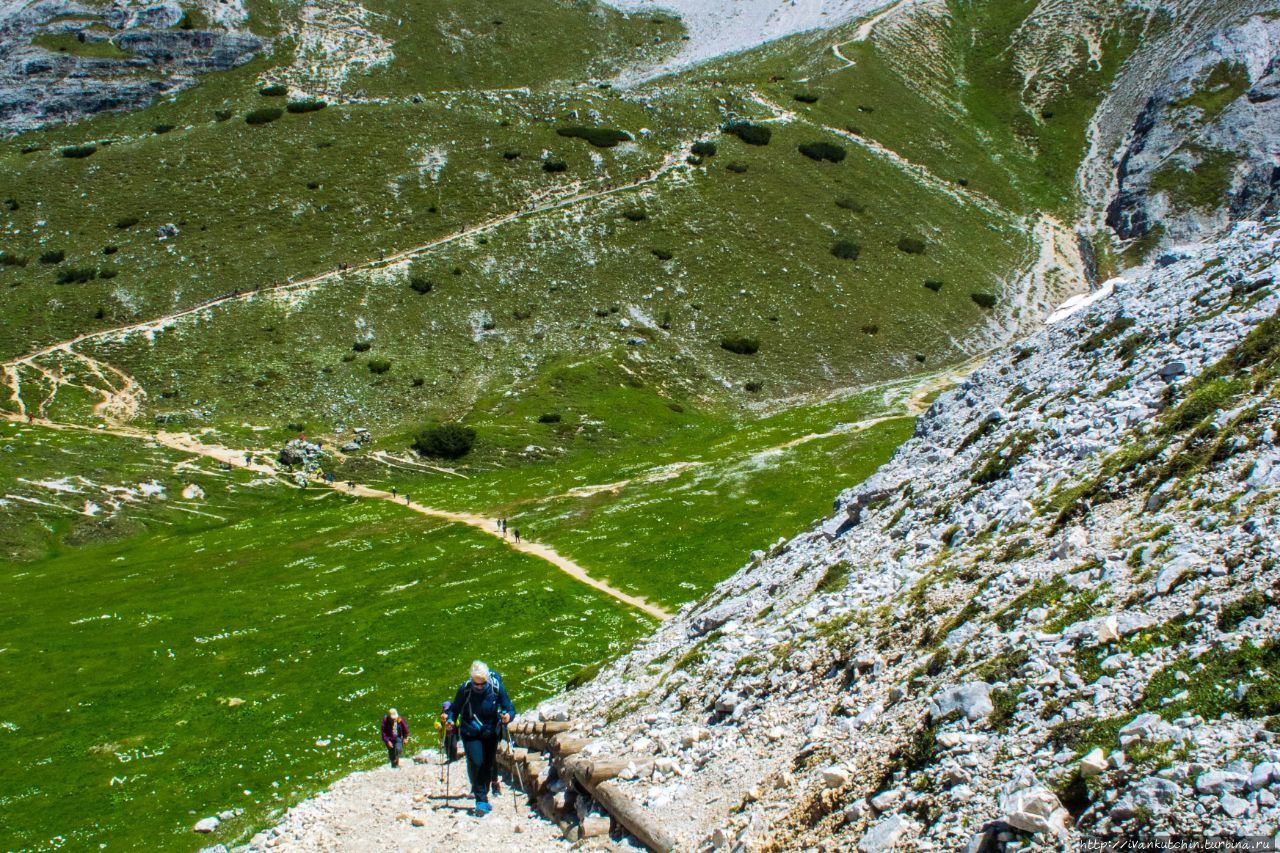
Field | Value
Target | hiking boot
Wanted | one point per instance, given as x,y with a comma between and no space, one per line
482,808
497,787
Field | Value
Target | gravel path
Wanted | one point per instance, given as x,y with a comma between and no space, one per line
406,810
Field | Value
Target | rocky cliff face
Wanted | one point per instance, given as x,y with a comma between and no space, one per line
61,60
1185,145
1053,613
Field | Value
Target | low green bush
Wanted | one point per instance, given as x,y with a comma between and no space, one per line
850,205
554,166
549,418
8,260
445,441
870,329
600,137
309,105
110,250
984,300
822,151
753,386
222,115
162,128
419,284
510,155
53,256
662,254
933,284
78,152
740,344
76,275
911,245
846,250
751,134
265,115
362,346
737,168
704,148
108,272
1249,606
379,365
275,90
635,214
126,222
806,97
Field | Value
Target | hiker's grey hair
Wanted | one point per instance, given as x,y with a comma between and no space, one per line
479,669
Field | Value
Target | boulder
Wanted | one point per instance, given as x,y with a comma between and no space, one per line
206,825
1221,781
885,835
836,777
1234,806
1093,763
973,700
1034,810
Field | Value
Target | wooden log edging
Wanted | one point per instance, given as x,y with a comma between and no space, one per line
553,749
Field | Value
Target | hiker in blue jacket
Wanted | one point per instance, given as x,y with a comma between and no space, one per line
479,711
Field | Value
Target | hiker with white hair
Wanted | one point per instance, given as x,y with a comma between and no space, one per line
395,731
479,712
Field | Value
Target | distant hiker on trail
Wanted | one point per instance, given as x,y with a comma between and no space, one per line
502,525
395,731
448,735
517,532
406,500
479,712
351,485
393,491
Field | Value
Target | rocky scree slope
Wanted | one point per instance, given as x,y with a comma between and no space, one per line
1052,613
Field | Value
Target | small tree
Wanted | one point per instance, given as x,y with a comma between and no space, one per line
445,441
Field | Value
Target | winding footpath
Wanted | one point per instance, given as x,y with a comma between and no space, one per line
187,443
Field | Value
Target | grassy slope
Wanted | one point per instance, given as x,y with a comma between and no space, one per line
318,611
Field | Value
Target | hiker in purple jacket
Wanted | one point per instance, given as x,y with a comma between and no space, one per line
395,731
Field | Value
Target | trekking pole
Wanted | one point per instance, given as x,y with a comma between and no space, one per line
516,764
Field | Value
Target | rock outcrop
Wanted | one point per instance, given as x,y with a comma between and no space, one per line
61,60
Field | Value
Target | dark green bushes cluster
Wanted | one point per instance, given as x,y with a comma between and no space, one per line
740,344
822,151
162,129
78,152
8,260
846,250
703,148
751,134
662,254
445,441
984,300
379,365
419,284
510,155
265,115
635,214
362,346
53,256
76,275
806,97
549,418
933,284
310,105
551,167
600,137
275,90
737,168
911,245
126,222
851,205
